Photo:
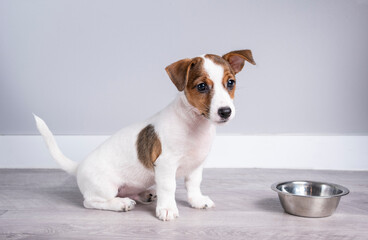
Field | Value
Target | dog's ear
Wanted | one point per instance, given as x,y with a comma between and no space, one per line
237,58
178,73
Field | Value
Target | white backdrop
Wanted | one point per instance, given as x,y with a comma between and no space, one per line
89,68
92,67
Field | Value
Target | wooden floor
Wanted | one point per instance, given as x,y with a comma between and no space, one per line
46,204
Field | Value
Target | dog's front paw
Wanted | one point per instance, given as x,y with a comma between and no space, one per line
201,202
167,214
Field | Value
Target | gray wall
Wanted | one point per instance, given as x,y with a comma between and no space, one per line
92,67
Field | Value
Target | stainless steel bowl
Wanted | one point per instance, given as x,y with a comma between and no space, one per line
309,199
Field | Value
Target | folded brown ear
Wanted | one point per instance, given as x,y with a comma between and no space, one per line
178,73
237,58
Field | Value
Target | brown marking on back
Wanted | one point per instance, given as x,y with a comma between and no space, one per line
228,72
148,146
197,75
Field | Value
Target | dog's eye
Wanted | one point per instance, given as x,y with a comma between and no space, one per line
202,87
230,84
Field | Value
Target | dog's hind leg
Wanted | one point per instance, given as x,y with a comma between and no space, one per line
114,204
104,195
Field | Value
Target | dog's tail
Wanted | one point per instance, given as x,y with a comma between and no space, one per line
65,163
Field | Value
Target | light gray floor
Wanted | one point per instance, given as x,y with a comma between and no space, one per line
46,204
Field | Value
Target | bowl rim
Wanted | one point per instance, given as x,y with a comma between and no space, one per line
344,190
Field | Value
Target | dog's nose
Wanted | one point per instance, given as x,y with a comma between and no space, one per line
224,112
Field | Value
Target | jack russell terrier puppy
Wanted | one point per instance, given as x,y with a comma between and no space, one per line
173,143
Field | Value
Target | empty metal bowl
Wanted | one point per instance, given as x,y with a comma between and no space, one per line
309,199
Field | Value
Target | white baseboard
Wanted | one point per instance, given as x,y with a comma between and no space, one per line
290,152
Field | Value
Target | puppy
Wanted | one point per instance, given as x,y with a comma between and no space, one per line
173,143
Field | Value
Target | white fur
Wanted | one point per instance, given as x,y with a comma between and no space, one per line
66,164
112,175
221,97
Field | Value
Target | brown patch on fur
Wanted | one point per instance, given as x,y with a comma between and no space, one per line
228,72
197,75
186,74
236,59
148,146
178,73
228,76
220,61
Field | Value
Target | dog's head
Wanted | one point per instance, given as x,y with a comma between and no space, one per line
209,82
